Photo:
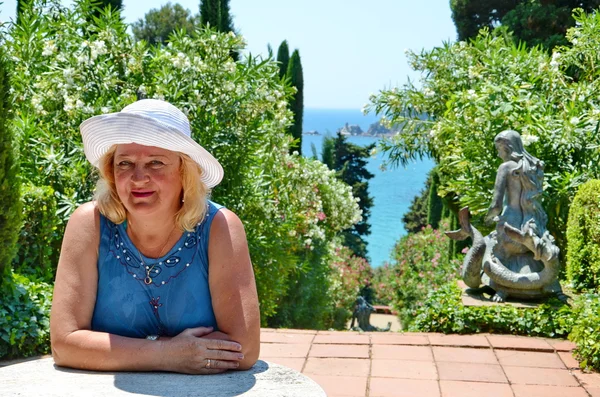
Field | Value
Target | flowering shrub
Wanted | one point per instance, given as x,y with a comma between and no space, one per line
420,264
472,91
350,274
67,68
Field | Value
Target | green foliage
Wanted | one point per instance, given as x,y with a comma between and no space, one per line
24,316
420,264
216,14
238,111
39,239
328,299
21,5
225,19
583,235
283,58
444,312
535,22
586,333
159,24
434,202
416,217
210,13
474,91
470,16
350,162
294,74
350,277
10,216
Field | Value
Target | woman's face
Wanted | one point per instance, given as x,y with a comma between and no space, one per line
503,149
147,179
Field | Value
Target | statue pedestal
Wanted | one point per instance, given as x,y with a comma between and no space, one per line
472,297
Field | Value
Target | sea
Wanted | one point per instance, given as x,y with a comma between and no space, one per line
392,189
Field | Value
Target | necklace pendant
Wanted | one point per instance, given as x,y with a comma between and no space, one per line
148,280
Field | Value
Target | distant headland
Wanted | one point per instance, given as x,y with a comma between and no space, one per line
375,130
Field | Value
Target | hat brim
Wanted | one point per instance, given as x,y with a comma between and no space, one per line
100,133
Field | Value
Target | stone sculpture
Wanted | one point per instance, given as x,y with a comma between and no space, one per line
362,313
519,259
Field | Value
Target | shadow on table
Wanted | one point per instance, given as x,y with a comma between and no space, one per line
227,384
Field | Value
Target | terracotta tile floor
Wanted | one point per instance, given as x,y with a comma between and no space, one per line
423,365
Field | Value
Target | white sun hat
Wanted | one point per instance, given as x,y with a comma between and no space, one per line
148,122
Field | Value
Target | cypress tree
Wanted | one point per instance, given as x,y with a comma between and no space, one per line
434,202
350,163
294,73
209,13
283,58
10,216
225,20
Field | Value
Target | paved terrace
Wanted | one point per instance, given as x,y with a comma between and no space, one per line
424,365
436,365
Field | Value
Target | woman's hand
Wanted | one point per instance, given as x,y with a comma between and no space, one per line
190,353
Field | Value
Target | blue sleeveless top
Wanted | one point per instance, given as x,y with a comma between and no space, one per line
176,296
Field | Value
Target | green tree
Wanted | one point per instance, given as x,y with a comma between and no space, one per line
434,202
535,22
209,13
225,19
283,57
159,24
10,216
416,217
296,104
216,14
350,161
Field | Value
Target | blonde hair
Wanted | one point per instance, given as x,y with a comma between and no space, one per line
194,192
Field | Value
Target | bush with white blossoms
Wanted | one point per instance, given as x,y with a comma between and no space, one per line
469,92
67,69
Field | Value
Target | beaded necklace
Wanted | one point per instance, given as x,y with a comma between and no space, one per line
148,279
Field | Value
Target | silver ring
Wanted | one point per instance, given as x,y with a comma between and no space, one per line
208,363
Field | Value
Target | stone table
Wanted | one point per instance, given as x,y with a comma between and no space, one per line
43,378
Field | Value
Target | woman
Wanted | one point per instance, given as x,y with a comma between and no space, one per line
152,275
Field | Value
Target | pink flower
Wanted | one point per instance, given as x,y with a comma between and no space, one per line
465,250
321,216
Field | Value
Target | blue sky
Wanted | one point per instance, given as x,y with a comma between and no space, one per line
349,49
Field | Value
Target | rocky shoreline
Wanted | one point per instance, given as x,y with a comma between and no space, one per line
376,130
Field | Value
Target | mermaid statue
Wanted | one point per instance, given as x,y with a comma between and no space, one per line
520,258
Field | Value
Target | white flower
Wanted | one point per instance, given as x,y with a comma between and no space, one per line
575,41
79,104
229,86
529,139
49,48
82,58
181,61
97,48
574,120
105,109
428,92
68,75
69,104
36,101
